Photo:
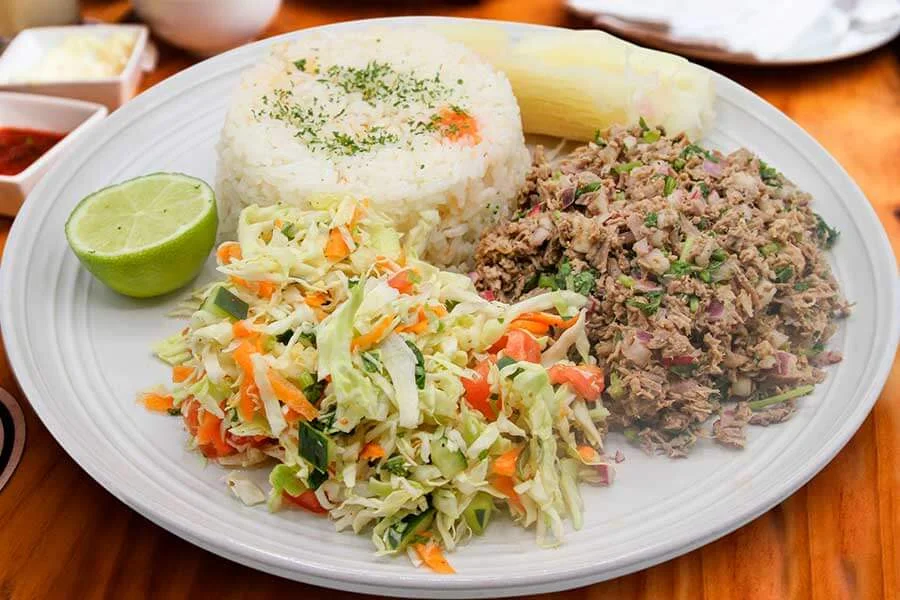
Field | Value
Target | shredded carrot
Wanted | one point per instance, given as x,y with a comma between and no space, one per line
336,249
387,264
371,451
292,416
249,400
587,453
402,282
279,223
506,486
419,326
228,253
241,330
181,373
367,340
241,356
432,555
455,124
157,402
505,464
316,299
265,289
291,395
210,433
439,309
534,327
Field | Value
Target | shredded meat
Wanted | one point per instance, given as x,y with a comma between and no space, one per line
707,277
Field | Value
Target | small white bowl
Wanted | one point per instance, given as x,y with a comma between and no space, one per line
29,47
45,113
207,27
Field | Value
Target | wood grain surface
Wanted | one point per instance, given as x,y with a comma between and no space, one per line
63,536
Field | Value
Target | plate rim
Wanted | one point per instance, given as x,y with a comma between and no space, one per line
426,584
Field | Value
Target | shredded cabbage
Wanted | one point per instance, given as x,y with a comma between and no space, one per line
358,372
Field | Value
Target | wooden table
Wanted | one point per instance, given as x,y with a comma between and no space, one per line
63,536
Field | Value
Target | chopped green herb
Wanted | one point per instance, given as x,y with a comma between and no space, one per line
768,174
371,361
313,446
704,189
678,164
598,139
692,149
316,478
669,185
615,390
300,64
420,365
826,234
784,274
309,337
770,249
505,361
583,283
643,124
547,281
588,188
694,303
314,391
783,397
396,465
801,286
625,280
627,167
651,136
289,231
680,268
652,219
652,304
684,371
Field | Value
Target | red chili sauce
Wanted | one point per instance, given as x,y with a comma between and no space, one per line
21,147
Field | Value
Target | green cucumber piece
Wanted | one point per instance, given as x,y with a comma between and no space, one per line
314,446
449,462
226,305
404,532
478,512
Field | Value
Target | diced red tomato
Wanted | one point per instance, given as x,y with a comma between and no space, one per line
521,345
586,380
306,500
478,391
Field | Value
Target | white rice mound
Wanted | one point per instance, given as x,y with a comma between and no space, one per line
282,136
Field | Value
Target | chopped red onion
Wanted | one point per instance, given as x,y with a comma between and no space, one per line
785,364
715,310
643,336
620,456
714,169
488,295
606,473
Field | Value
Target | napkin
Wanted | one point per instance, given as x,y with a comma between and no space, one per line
763,28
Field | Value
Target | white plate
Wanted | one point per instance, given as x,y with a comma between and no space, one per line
827,40
81,353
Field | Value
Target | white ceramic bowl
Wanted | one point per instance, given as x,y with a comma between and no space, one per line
29,47
45,113
207,27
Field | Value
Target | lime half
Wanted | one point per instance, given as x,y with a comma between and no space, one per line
147,236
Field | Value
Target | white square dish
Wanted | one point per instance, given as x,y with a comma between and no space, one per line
29,47
43,113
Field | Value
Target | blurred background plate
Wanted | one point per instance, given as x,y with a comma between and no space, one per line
835,35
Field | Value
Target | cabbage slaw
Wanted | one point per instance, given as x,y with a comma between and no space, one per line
388,393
